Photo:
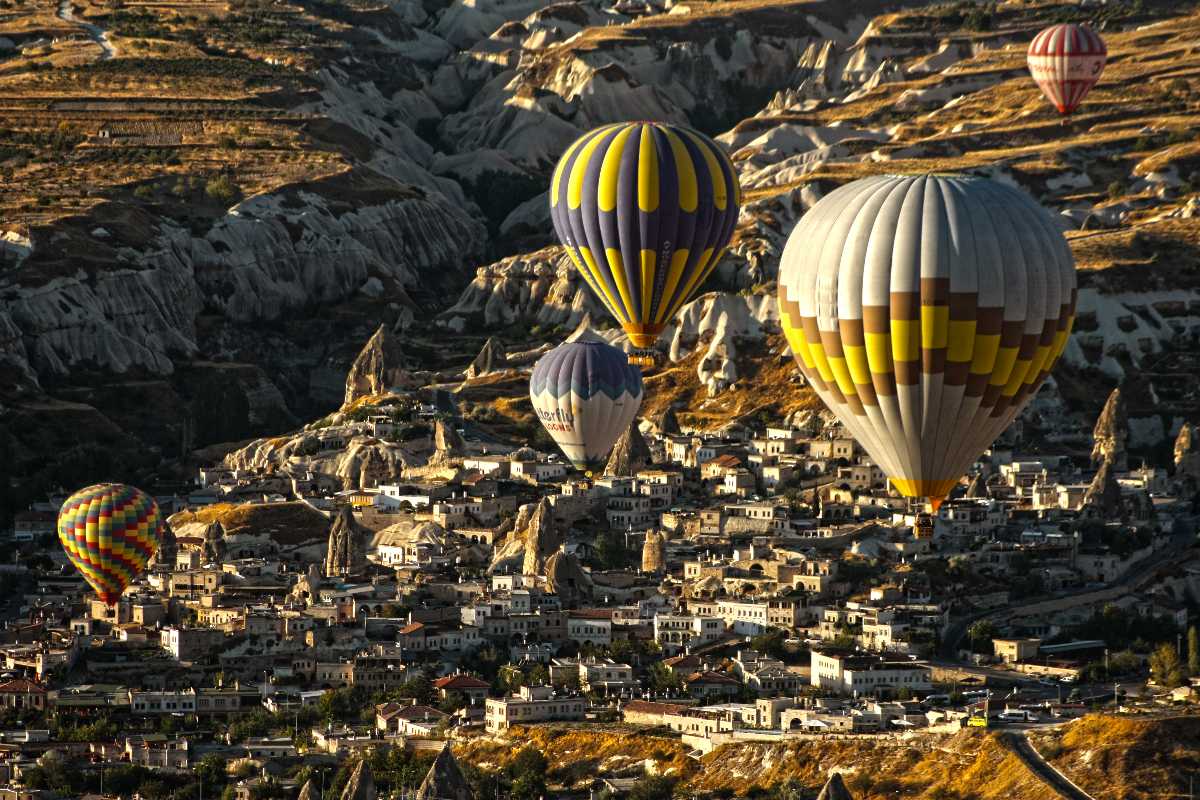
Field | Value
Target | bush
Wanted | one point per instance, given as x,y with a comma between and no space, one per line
222,189
1115,190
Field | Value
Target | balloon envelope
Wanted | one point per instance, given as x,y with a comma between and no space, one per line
109,532
645,210
586,395
1066,61
926,312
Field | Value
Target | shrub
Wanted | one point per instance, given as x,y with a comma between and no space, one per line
222,189
1115,190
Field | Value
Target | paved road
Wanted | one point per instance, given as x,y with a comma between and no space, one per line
98,34
1161,558
1019,745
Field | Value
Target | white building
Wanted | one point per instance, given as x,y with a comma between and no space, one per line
859,674
531,704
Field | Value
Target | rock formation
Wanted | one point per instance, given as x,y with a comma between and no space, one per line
1187,454
629,454
445,779
346,554
446,440
165,555
542,539
567,579
214,543
1111,433
1103,496
664,423
835,789
654,553
361,785
492,358
379,366
307,586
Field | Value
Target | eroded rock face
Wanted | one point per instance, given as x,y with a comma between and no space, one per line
567,579
542,539
346,552
445,779
835,789
654,550
1103,496
492,358
1187,453
629,454
379,367
1111,433
361,785
269,256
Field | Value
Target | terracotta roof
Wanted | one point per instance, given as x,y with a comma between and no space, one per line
726,460
708,676
20,686
452,682
418,713
412,627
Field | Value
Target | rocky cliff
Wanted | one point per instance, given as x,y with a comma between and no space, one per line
379,367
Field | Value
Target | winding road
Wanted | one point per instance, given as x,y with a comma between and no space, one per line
97,34
1018,743
1132,579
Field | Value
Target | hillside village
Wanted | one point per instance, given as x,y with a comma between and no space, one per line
742,585
287,266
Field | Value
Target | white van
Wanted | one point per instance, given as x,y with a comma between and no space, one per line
1017,715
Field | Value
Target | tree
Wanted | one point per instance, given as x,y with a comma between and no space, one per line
1193,652
652,787
980,635
770,643
1166,667
528,774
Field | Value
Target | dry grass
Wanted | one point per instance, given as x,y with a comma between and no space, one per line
285,523
967,765
768,384
1124,758
576,755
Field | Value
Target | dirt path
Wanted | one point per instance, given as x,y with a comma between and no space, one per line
97,34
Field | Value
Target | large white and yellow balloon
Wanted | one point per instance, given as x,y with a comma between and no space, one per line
586,394
926,311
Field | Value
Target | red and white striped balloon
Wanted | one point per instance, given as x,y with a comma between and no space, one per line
1066,61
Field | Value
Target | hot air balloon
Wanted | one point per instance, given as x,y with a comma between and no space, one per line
110,531
926,311
586,394
1066,61
645,210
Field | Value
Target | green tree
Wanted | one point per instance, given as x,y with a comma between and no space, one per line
770,643
652,787
528,774
1193,652
1166,667
980,635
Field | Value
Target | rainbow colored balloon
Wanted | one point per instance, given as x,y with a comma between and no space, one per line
110,531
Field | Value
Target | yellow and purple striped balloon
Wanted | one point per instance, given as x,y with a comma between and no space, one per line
110,531
645,210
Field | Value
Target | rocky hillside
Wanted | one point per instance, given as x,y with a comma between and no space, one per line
969,764
211,209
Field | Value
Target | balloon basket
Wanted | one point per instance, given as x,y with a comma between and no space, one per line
644,358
